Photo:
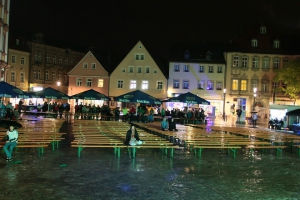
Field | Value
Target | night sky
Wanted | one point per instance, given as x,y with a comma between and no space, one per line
118,25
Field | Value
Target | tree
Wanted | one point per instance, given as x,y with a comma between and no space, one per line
289,75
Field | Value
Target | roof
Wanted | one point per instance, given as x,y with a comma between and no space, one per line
18,43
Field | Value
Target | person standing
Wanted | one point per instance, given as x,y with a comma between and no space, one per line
132,112
12,140
254,119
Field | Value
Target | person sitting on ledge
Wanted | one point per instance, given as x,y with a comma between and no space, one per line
172,125
164,124
132,137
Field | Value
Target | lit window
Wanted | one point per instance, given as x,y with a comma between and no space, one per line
133,84
88,82
243,85
120,84
175,83
144,85
100,82
79,82
235,84
159,85
210,85
201,84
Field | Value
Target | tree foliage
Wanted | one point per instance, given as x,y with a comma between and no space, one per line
289,75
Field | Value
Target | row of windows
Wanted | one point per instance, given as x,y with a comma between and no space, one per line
37,74
255,62
201,84
14,59
88,82
144,85
254,43
186,68
85,65
139,69
38,58
13,77
242,85
139,56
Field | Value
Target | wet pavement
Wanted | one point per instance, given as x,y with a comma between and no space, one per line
60,174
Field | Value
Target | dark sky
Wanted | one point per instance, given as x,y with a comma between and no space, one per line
118,25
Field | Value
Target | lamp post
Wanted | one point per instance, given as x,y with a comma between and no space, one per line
224,94
58,84
254,95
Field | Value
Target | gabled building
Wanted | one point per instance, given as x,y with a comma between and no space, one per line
88,74
252,60
4,27
19,61
142,70
199,69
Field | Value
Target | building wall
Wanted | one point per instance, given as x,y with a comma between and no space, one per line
123,73
17,74
4,27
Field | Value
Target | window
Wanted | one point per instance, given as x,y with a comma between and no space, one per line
139,69
54,59
88,82
79,82
59,76
245,62
276,63
12,76
100,82
120,84
176,83
220,69
154,71
39,74
235,84
263,30
254,84
93,66
39,57
17,40
123,70
142,57
71,62
144,85
235,61
22,76
13,59
255,62
264,85
47,75
210,69
201,84
285,62
53,76
208,57
85,65
219,85
186,68
137,57
34,73
131,69
159,85
276,44
147,70
274,85
176,68
66,62
48,58
35,56
133,84
201,69
254,43
265,63
210,85
243,85
186,84
22,61
59,61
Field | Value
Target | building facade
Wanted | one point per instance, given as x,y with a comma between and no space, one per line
4,27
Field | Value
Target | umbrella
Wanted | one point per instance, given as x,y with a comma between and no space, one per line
49,93
7,90
189,98
138,97
90,95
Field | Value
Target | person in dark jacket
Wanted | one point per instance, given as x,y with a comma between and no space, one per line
172,125
132,137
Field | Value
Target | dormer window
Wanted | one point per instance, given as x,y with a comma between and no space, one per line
263,30
17,42
208,57
186,54
254,43
276,44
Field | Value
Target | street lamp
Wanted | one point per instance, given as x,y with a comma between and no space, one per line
58,84
224,94
254,95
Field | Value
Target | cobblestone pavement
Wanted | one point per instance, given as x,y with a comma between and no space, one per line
151,175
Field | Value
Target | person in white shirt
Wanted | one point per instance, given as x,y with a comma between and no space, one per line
12,140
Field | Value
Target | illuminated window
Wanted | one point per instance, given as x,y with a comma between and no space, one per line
235,84
144,85
201,84
244,85
133,84
100,82
210,85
